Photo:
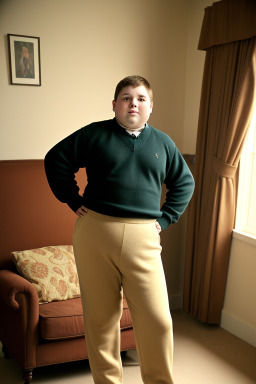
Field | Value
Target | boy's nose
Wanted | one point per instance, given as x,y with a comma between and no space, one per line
133,103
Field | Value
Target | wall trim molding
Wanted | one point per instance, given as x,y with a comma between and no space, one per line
238,328
245,237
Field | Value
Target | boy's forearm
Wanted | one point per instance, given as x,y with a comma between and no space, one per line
60,169
180,185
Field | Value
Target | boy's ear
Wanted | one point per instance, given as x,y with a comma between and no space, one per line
113,105
151,107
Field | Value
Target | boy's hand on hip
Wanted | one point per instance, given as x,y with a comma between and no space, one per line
158,227
81,211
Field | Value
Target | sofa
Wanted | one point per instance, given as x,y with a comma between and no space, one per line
34,331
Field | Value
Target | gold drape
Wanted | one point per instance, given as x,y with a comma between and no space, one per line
227,97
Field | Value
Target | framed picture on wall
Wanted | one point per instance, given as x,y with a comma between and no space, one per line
24,53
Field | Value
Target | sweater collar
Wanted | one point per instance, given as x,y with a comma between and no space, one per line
125,130
133,143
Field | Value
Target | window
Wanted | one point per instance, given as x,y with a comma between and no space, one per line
246,204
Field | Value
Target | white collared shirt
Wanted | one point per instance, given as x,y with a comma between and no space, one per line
135,132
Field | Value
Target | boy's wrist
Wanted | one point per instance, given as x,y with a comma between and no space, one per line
163,222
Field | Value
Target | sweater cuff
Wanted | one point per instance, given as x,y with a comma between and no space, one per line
164,222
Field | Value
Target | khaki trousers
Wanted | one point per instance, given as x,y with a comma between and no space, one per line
114,253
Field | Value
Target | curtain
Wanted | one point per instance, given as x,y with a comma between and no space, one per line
227,98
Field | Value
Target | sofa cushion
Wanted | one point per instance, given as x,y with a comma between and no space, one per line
51,270
64,319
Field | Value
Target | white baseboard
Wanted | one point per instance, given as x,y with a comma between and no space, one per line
238,328
176,302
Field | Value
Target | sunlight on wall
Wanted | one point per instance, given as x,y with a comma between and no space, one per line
246,205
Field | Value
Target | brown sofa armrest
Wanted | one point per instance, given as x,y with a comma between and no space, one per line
19,308
12,284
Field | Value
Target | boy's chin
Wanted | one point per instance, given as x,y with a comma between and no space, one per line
131,123
134,125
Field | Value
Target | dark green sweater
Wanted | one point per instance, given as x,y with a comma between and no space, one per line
125,174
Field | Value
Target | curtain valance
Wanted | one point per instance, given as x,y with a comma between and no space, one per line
227,21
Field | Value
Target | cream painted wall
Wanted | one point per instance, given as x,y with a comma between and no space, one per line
86,48
194,73
239,311
240,282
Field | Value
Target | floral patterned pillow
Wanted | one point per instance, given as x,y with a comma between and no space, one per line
51,270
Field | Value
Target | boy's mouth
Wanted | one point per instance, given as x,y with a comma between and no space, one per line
133,112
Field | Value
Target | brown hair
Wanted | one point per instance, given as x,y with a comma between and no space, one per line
134,81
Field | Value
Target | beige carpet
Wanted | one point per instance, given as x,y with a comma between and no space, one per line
202,355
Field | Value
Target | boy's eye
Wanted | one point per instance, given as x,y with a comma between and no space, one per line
127,98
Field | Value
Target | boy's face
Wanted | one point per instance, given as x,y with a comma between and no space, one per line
132,107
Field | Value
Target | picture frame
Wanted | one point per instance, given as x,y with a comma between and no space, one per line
24,57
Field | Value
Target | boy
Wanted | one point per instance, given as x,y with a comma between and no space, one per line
116,237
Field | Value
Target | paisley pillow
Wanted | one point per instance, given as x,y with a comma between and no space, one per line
51,270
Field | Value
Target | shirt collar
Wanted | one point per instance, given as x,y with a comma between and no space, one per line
135,132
